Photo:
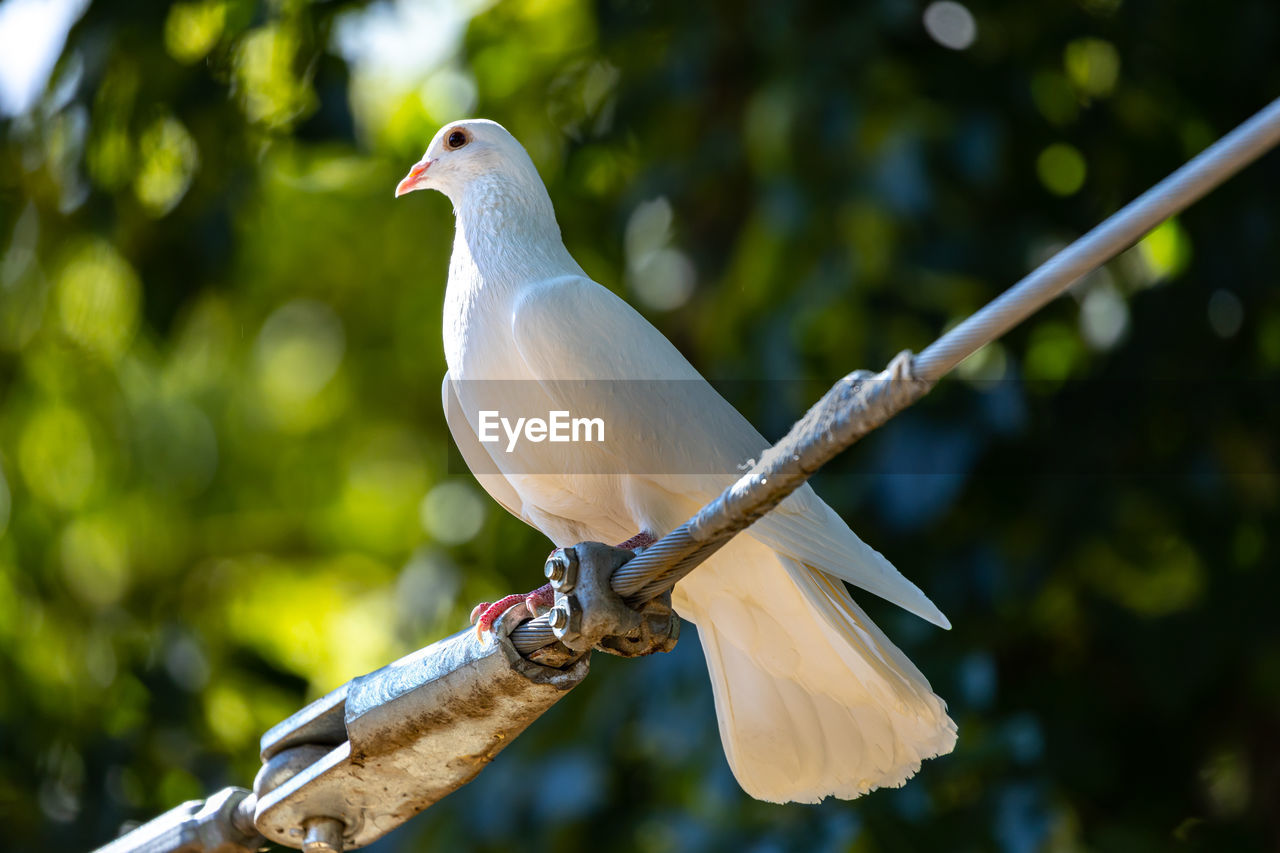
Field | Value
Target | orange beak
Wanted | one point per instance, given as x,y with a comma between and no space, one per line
413,180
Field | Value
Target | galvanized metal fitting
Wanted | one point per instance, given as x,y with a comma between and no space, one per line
658,631
355,764
286,764
561,569
323,835
589,614
223,823
559,618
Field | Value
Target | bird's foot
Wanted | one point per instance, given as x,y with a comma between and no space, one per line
484,614
542,599
640,540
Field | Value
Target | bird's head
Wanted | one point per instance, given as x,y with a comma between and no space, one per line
463,152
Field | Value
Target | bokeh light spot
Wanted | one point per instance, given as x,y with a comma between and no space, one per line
1165,252
452,513
661,277
269,91
1226,778
95,561
56,457
298,353
97,297
427,589
950,24
192,29
1061,169
229,715
448,94
1104,316
110,157
1165,577
1093,66
1269,341
186,663
1053,353
169,160
1226,313
177,785
110,154
60,791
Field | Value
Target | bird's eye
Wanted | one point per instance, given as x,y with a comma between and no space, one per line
455,140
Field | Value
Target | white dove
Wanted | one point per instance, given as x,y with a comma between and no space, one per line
812,698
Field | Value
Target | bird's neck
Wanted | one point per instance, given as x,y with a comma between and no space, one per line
507,236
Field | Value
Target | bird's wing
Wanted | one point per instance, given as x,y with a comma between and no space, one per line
474,454
667,425
588,347
811,532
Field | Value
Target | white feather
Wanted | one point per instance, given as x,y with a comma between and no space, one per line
812,699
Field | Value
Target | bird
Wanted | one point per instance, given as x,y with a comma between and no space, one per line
812,699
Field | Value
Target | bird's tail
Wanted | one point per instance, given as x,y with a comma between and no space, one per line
812,698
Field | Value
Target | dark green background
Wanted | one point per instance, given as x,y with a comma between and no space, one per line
226,480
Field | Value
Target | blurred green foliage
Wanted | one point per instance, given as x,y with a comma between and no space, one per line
224,478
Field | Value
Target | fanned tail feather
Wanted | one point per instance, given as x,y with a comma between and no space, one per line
812,698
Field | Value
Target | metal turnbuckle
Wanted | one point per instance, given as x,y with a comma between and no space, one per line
357,763
222,823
